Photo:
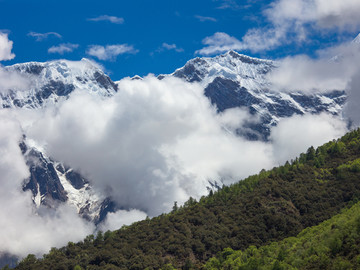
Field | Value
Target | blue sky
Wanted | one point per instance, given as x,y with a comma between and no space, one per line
142,36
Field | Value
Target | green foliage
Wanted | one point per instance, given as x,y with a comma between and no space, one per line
259,210
175,207
334,244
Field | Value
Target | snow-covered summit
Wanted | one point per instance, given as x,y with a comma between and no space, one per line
248,71
235,80
55,80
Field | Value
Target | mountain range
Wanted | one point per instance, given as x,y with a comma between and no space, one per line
229,81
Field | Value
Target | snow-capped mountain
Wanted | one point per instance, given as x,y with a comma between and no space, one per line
235,80
50,181
55,80
229,80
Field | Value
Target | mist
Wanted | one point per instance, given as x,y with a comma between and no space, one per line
332,69
24,228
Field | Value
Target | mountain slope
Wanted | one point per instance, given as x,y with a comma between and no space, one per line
267,207
333,244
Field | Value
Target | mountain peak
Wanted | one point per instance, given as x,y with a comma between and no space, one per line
249,70
245,58
54,80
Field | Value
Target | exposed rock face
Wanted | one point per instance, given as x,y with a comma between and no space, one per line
52,183
234,80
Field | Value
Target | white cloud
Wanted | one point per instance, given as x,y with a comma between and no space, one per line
112,19
220,42
227,4
63,48
290,22
352,108
330,14
294,135
294,21
5,47
205,19
25,230
116,220
110,52
332,70
171,47
138,147
156,142
301,73
42,36
12,80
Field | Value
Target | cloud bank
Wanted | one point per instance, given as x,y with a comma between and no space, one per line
138,147
309,75
12,80
294,135
156,142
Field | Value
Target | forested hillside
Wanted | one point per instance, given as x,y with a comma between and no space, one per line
261,209
334,244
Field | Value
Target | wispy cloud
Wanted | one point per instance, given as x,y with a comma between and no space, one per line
169,47
112,19
63,48
219,42
204,19
5,47
110,52
42,36
227,4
